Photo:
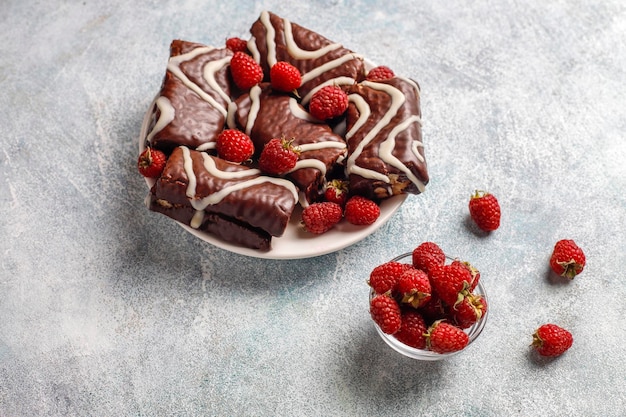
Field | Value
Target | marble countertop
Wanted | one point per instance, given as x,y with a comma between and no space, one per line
108,309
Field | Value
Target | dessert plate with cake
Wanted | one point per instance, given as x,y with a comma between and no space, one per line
375,146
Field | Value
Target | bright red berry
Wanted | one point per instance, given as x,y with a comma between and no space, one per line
385,312
413,288
285,77
245,70
426,255
433,309
328,102
278,157
469,311
475,273
361,211
567,260
319,218
336,191
485,210
552,340
451,282
237,44
151,163
384,277
380,73
443,337
413,329
234,145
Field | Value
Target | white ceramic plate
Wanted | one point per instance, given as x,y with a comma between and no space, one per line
295,242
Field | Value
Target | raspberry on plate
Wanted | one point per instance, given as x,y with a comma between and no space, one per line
552,340
234,145
278,157
151,163
567,260
319,218
237,44
285,77
328,102
485,210
245,70
361,211
336,191
380,73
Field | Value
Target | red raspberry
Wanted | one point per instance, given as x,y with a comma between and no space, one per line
413,329
319,218
361,211
383,278
278,157
552,340
380,73
427,254
237,44
245,70
469,311
234,145
567,260
443,337
151,163
475,273
485,210
328,102
451,282
433,309
386,314
337,192
413,287
285,77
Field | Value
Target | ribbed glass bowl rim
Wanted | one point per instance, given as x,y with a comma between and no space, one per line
426,355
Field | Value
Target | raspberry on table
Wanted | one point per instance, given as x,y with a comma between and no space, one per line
484,209
552,340
567,259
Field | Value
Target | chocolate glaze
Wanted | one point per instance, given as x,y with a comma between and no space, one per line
196,121
370,158
264,206
275,119
307,40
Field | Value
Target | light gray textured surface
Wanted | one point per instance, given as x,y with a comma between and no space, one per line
107,309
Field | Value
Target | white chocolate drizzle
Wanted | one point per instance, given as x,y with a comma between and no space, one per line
387,146
316,72
255,106
209,164
298,111
173,66
269,38
298,53
167,113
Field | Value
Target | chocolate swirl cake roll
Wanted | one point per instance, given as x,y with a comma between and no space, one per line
384,136
192,106
234,202
264,115
320,61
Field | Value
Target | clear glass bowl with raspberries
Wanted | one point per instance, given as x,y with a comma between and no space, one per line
426,305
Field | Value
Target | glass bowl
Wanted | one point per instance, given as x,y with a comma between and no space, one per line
426,355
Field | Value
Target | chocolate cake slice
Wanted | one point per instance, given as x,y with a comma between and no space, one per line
192,106
384,136
264,115
231,201
320,61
